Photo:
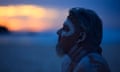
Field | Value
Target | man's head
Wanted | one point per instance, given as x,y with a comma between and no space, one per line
82,27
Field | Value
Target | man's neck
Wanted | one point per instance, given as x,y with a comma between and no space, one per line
76,52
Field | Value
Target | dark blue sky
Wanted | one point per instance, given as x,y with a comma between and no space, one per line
101,4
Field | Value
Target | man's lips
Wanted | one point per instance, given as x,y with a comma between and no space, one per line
59,38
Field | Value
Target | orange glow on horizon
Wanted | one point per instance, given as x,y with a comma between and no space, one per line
27,17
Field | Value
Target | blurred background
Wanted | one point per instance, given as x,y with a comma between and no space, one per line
28,33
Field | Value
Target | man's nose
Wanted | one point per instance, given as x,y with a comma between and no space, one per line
59,31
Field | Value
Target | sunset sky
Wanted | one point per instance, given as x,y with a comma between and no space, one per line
28,17
35,52
42,15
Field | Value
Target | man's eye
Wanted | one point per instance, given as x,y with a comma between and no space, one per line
66,28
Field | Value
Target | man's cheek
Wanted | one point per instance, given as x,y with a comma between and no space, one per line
67,34
65,39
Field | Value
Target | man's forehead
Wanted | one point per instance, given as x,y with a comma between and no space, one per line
68,22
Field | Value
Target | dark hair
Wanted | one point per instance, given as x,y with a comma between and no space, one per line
89,21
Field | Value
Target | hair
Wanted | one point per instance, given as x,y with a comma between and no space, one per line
89,21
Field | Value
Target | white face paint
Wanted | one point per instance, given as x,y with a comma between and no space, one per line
64,34
71,28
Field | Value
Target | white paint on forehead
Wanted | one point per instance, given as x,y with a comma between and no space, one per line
71,28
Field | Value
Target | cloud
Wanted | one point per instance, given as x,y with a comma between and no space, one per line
28,17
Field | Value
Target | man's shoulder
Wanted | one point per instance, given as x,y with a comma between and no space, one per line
92,58
92,62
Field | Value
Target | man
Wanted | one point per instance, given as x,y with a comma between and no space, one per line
79,42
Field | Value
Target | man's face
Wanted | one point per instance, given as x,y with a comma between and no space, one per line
67,37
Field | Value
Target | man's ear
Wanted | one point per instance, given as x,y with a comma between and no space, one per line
82,37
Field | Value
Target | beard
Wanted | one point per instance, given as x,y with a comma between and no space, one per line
60,51
63,46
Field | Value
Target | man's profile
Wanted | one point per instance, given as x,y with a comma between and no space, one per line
79,42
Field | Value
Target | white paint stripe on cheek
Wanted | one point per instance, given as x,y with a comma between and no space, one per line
71,27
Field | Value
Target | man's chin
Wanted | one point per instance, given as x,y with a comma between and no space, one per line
60,52
60,55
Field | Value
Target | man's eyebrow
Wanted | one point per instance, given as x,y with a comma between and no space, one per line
65,24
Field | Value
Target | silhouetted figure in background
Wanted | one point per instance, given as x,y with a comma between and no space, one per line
79,42
4,30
